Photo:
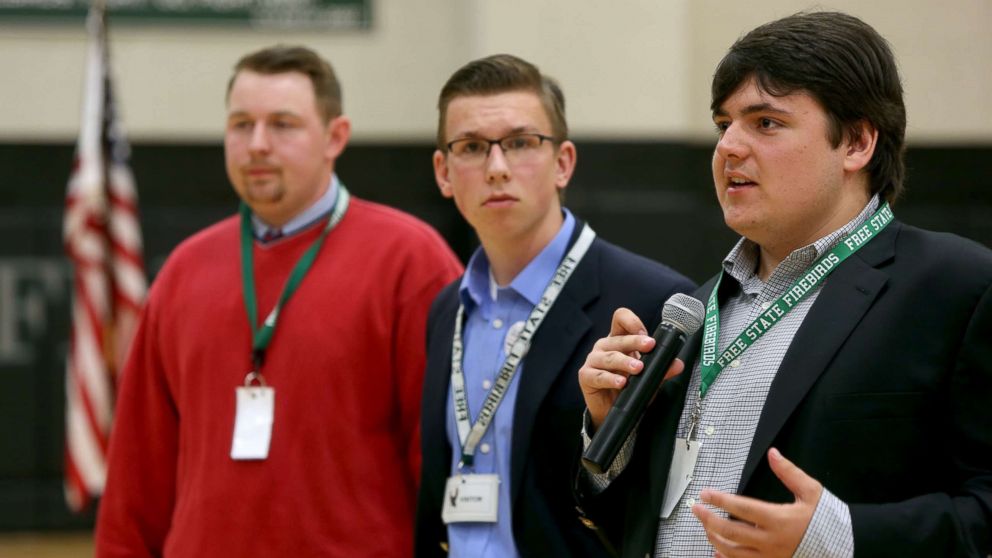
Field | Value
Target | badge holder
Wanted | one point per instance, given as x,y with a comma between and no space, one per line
253,418
471,498
683,464
680,475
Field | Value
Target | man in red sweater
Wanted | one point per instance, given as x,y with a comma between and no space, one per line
271,401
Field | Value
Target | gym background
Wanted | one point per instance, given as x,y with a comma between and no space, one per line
636,78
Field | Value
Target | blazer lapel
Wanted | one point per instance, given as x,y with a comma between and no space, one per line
666,410
553,347
847,294
668,406
437,379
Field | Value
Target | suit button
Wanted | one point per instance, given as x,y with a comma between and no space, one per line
484,448
486,384
497,323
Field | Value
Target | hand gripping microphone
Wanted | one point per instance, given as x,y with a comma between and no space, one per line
680,318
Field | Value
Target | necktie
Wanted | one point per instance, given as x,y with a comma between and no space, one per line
271,235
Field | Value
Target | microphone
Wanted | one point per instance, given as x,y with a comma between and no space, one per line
680,318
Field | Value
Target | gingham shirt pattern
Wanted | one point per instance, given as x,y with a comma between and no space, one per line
733,404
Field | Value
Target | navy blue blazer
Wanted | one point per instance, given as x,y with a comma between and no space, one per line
548,413
884,396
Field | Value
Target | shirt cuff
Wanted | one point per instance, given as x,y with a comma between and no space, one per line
829,534
598,483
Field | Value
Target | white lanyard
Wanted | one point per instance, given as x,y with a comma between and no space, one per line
470,435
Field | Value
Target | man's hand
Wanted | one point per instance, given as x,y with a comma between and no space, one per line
761,528
612,359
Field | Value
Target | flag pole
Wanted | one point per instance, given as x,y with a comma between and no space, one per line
103,240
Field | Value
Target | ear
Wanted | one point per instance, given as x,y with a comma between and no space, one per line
564,164
860,147
441,173
338,134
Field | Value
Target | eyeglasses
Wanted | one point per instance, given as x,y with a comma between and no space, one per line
516,148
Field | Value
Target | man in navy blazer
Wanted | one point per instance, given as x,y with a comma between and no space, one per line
836,401
501,401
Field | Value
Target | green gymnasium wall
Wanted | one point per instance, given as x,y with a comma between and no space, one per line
654,198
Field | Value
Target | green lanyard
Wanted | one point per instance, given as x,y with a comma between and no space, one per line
710,365
262,336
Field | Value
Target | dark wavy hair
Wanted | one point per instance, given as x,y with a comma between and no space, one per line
845,65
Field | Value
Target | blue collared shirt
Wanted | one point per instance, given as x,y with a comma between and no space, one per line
491,312
309,216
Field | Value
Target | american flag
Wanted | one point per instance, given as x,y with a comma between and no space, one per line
103,240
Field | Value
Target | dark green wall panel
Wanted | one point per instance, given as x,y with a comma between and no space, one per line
655,198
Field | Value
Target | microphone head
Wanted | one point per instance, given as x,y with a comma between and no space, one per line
683,312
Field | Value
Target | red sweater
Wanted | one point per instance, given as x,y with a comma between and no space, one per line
346,363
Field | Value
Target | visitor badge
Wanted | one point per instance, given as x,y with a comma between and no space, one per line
471,498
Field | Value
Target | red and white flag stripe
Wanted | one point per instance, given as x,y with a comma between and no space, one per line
103,240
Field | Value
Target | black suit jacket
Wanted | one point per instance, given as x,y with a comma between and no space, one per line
548,413
884,396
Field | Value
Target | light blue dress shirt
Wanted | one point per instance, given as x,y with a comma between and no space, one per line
315,212
490,313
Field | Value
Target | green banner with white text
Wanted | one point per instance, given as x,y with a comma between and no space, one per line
318,14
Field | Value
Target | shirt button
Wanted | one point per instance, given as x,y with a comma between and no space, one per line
710,430
766,305
497,323
690,502
735,363
486,384
484,448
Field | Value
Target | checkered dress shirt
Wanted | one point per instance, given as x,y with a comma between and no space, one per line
733,404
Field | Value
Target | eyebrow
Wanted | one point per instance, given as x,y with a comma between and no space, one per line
755,108
277,114
472,134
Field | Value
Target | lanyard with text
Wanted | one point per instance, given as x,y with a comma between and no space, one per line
471,435
710,365
262,336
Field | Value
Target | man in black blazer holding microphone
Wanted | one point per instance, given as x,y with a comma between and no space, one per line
836,399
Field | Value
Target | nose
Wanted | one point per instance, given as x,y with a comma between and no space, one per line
497,168
733,143
259,139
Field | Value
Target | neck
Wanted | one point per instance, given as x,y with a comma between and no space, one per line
772,252
506,262
509,256
277,219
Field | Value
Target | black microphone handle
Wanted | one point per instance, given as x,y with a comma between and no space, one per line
633,400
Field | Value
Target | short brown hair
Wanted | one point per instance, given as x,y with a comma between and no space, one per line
281,59
503,73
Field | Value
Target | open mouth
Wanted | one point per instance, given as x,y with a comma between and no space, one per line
738,183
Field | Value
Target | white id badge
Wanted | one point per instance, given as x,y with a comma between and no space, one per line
253,422
470,498
680,475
